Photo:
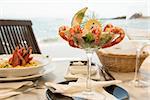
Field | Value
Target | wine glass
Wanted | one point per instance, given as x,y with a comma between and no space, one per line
140,34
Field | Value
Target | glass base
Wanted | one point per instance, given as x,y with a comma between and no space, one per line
139,83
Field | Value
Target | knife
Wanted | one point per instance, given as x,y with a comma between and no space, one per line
115,90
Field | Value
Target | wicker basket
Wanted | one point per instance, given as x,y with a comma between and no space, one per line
120,62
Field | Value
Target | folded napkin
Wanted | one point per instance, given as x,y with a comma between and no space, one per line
8,89
75,89
79,71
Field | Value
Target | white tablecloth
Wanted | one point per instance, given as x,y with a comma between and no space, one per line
61,50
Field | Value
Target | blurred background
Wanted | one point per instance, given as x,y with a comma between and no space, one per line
48,15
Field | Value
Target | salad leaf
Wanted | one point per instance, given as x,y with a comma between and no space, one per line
105,38
76,40
88,38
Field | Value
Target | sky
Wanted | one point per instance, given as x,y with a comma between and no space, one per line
66,8
48,15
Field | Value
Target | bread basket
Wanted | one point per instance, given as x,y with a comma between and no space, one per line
120,58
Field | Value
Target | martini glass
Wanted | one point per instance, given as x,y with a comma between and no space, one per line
91,39
141,37
88,33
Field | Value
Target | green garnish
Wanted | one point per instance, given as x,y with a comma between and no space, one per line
105,38
76,40
6,66
88,38
47,56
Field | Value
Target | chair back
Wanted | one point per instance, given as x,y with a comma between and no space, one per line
17,33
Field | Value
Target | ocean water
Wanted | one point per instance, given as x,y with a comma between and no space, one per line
47,28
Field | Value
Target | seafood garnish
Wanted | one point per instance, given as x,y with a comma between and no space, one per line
108,37
116,31
20,57
91,33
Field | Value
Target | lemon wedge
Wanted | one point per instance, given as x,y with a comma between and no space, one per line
91,23
78,17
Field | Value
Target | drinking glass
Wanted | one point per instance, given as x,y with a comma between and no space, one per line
91,41
90,34
138,30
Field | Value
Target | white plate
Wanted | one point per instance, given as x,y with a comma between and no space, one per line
25,71
27,77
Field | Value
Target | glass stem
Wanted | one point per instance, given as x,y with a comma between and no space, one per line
88,81
137,64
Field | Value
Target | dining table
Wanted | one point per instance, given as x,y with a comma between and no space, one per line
61,55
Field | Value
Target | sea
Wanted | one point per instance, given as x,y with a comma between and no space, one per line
46,29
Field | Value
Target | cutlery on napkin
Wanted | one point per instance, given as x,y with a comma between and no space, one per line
12,88
74,89
78,69
14,85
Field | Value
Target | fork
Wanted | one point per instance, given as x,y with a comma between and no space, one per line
22,89
26,88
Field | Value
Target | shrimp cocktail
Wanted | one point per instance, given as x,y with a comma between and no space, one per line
90,36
